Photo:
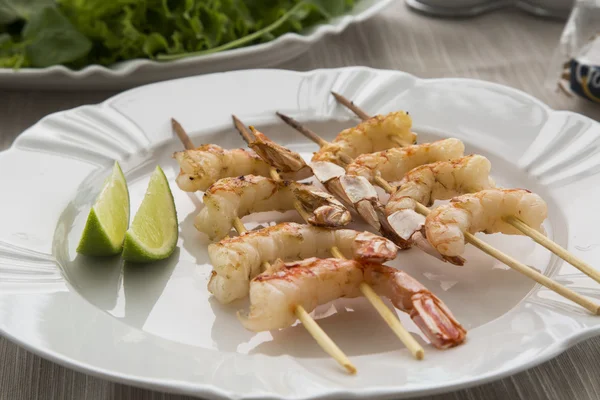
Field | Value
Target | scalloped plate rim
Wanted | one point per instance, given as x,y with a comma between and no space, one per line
207,389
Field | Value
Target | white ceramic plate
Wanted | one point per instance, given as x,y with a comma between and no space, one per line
156,326
142,71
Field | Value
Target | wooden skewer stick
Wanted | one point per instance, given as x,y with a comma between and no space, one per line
520,225
533,274
308,322
388,316
182,135
524,269
323,340
394,323
555,248
351,106
305,131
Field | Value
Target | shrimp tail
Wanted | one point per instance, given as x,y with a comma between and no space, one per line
422,243
324,209
434,319
406,228
281,158
364,197
388,231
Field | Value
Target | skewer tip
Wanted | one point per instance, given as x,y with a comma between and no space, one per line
419,354
182,134
336,95
237,122
350,368
241,128
283,116
351,106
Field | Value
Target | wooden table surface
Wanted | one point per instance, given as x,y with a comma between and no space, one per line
507,47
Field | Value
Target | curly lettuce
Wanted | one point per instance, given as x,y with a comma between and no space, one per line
76,33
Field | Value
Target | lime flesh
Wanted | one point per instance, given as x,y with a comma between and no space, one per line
108,219
154,231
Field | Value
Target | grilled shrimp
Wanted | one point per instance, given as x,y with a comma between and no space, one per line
441,180
482,212
282,159
357,193
393,164
203,166
378,133
275,294
237,260
231,198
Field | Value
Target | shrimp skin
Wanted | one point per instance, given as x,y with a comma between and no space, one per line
275,295
483,211
428,312
377,133
236,260
392,164
322,208
232,198
282,159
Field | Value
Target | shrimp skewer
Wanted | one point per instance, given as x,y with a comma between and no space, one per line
201,167
414,347
356,191
442,180
314,281
231,198
308,322
393,164
237,260
378,133
515,222
483,211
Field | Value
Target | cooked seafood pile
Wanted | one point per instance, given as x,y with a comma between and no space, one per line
286,269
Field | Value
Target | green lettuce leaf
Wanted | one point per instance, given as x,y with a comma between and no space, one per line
51,39
13,10
77,33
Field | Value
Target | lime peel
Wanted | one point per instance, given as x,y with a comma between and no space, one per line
154,231
107,222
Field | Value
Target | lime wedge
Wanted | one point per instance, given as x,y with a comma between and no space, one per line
108,219
154,231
